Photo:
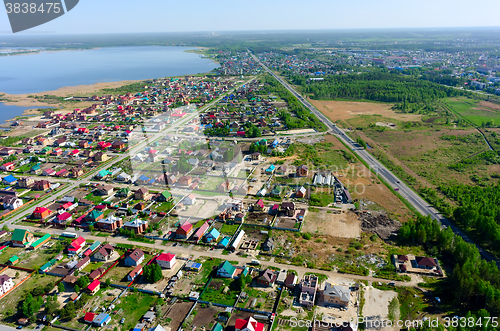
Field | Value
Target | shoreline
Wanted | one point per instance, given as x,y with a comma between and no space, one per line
23,100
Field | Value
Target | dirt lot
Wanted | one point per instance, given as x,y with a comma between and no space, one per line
12,274
176,313
344,224
342,110
206,316
376,303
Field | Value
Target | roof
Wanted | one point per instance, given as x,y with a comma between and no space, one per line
41,240
214,233
94,214
96,273
166,194
89,317
64,216
136,254
41,210
92,286
106,250
228,267
268,275
426,261
165,257
187,226
101,318
10,178
339,291
250,323
19,234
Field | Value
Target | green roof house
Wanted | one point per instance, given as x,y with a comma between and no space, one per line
165,196
94,216
21,238
123,192
226,270
13,260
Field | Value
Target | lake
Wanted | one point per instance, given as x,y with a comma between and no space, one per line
47,71
10,112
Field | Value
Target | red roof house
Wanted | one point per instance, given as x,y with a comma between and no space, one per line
248,324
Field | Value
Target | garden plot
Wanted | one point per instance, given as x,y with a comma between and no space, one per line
204,317
221,291
258,297
175,314
118,274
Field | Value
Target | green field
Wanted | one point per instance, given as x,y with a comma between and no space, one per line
472,111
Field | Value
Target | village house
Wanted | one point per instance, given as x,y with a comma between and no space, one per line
266,278
137,225
111,223
12,203
134,273
134,258
142,194
185,230
166,260
41,213
6,284
82,263
336,295
76,246
308,287
96,273
42,185
93,288
26,182
104,253
21,238
302,171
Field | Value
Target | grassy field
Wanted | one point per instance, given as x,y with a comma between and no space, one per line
229,229
424,155
11,301
135,305
215,292
475,111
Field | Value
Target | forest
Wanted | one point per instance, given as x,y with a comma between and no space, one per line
474,283
303,118
410,93
478,211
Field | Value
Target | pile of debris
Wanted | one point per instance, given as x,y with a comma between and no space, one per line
378,223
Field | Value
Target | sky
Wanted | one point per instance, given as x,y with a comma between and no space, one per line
125,16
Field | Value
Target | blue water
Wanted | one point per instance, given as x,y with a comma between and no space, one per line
9,112
48,71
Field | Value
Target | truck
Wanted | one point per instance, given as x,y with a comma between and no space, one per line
69,234
255,262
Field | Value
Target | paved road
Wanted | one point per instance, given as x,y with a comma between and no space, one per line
193,252
413,198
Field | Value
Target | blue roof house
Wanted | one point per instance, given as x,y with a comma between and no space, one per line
9,180
213,235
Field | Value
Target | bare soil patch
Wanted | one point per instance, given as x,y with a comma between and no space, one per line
379,223
342,110
343,224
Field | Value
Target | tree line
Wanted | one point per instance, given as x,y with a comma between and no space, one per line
474,283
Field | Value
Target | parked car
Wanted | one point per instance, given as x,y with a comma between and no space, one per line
122,320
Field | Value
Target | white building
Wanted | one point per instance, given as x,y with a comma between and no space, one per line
166,260
6,284
189,200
